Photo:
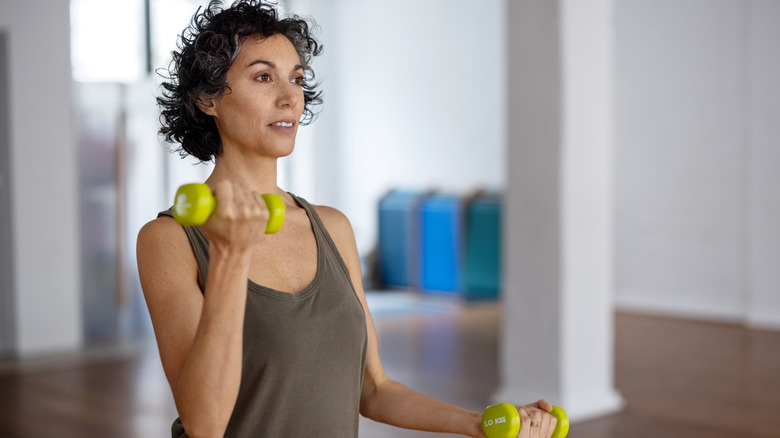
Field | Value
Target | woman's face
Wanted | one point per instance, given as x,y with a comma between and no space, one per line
260,111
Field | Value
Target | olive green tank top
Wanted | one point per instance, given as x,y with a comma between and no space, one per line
303,355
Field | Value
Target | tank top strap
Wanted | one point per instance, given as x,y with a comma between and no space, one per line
322,236
199,244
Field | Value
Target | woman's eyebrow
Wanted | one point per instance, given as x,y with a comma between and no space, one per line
272,64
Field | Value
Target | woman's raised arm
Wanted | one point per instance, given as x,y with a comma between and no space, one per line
200,332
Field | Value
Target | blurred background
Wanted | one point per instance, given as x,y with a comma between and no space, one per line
420,97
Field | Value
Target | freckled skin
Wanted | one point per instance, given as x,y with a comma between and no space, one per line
264,87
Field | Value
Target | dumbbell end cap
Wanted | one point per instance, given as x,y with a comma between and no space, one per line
194,204
562,426
276,212
501,421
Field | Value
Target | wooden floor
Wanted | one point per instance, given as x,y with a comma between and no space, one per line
679,378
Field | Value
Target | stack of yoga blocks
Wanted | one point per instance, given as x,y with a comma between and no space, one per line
441,243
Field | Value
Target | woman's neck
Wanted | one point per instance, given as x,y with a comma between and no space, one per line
257,173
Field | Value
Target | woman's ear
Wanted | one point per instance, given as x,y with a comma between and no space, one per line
208,106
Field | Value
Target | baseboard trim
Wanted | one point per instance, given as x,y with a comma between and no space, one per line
764,319
690,309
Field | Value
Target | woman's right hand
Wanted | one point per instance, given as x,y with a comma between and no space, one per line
238,222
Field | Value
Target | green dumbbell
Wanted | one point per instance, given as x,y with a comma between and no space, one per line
503,421
194,204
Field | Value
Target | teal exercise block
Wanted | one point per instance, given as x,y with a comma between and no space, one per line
482,276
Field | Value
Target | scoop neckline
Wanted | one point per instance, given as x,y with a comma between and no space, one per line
313,286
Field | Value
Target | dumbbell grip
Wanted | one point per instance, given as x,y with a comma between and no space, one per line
194,204
503,421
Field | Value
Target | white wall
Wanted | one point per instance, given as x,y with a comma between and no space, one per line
414,94
697,207
44,176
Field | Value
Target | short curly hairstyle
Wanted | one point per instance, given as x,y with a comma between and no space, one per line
206,50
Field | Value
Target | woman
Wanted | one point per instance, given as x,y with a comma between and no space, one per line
266,335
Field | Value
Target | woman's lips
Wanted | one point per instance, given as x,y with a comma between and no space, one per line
284,126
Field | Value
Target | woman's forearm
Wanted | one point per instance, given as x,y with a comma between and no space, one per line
208,384
396,404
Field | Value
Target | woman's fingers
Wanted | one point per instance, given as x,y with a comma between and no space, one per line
535,421
252,204
230,200
244,202
224,194
548,421
530,423
237,201
258,203
525,424
240,218
544,405
548,424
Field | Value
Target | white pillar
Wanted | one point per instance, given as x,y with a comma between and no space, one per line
558,223
763,157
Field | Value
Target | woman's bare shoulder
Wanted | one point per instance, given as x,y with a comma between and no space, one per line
340,230
335,221
163,251
163,232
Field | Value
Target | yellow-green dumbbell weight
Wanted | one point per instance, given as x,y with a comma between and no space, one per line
503,421
195,203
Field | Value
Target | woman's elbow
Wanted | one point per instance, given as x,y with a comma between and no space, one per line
366,410
369,401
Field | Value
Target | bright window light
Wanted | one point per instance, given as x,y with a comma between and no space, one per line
107,40
168,20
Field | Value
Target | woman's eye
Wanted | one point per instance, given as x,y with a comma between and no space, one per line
298,80
264,77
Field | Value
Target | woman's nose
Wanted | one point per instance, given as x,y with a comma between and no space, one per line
289,95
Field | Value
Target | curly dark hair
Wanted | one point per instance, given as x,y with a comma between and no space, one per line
206,50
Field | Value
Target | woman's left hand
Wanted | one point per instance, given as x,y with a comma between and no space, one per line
535,420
